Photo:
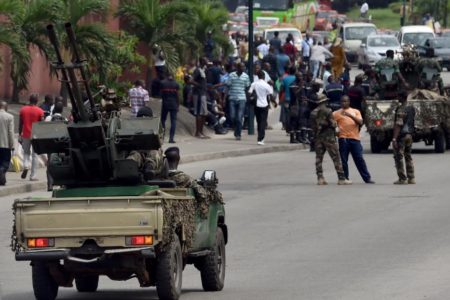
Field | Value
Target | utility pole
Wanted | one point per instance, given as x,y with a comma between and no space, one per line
251,51
402,19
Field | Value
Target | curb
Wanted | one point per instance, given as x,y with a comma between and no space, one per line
35,186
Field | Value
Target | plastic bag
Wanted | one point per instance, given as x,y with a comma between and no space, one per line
15,163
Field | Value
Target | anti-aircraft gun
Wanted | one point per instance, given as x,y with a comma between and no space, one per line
91,150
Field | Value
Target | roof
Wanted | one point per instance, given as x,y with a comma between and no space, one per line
416,28
359,25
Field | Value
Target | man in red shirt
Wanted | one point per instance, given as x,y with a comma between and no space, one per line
28,115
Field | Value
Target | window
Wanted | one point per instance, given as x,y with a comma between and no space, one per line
359,33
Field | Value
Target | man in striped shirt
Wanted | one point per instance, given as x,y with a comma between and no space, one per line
138,97
238,84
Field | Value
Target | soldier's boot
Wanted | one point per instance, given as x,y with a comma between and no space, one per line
299,137
312,147
305,137
401,181
411,181
321,181
293,138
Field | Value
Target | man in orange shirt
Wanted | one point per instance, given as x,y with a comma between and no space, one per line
349,121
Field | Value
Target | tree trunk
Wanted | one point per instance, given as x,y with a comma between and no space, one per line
64,93
15,93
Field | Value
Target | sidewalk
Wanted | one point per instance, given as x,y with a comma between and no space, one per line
191,150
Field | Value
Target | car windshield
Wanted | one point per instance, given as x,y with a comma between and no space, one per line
416,38
383,42
440,43
359,33
272,5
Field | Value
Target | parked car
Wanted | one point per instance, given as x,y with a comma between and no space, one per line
374,47
441,46
352,34
415,35
323,19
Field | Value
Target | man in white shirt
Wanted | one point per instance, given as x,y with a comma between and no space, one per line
364,9
319,54
263,90
263,49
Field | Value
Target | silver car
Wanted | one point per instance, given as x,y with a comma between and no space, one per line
374,47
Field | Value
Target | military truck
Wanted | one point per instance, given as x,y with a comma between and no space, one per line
110,217
431,122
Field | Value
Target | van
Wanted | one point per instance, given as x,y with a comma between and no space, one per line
283,34
415,35
352,35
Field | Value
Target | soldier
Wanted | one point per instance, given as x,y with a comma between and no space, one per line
389,83
402,140
324,129
428,63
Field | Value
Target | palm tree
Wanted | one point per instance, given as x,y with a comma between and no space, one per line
208,15
94,42
155,23
26,25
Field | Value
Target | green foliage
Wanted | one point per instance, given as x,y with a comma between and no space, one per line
396,7
381,17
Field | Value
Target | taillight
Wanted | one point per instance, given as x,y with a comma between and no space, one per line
378,123
139,240
41,243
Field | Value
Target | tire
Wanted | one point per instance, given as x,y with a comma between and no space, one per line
375,145
439,143
44,286
87,284
213,266
169,268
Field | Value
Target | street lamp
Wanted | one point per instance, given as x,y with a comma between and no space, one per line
251,50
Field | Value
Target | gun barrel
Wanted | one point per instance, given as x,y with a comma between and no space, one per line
76,54
54,41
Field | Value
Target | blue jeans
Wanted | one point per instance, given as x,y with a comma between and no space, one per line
173,121
237,109
347,146
315,66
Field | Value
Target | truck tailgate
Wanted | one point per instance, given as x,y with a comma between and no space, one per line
76,217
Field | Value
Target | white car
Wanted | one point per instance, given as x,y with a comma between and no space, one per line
352,34
374,47
283,34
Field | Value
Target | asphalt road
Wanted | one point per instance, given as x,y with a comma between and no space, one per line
291,239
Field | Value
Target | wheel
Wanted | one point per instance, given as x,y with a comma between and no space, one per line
87,284
169,268
212,269
375,145
44,286
439,143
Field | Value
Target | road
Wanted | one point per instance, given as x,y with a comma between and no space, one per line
291,239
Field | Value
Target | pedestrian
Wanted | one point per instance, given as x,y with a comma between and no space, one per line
271,60
356,93
238,84
209,46
263,91
199,93
324,130
283,61
319,55
290,50
307,43
170,104
263,48
55,117
297,95
47,106
29,114
275,42
6,140
285,87
349,122
364,10
334,92
402,140
339,59
326,74
138,97
160,60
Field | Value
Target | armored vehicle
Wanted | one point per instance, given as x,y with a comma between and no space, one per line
112,216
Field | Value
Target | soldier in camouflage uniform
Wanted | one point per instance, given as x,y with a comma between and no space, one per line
324,130
402,140
434,84
388,87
